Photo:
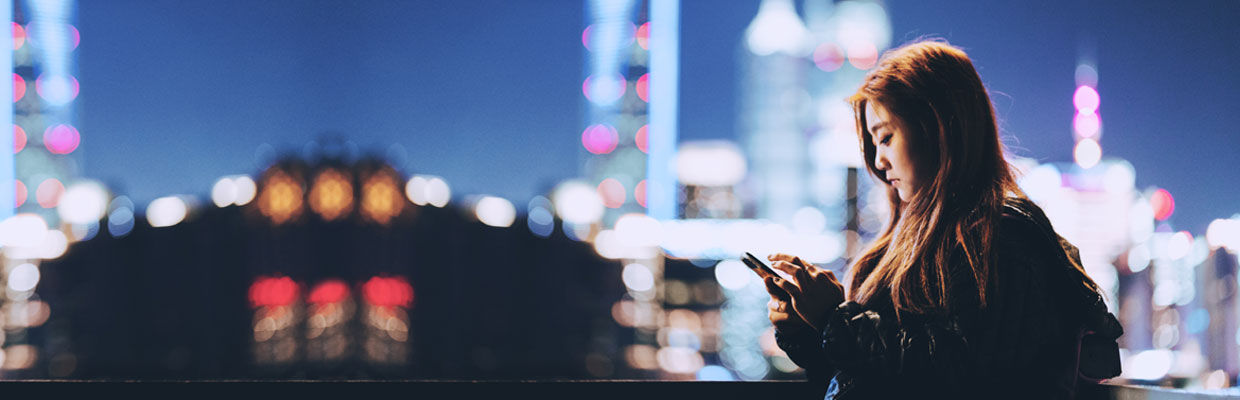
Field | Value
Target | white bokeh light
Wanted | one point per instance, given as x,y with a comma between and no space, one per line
733,274
495,211
24,277
23,230
83,202
577,203
166,211
224,192
637,277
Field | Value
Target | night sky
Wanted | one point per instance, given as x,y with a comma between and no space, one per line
487,93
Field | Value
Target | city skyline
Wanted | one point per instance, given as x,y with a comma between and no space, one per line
175,96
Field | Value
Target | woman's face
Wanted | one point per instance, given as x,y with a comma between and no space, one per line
892,154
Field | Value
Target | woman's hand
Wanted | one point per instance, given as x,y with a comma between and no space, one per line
780,311
814,292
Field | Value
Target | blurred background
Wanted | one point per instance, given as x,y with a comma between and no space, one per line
382,189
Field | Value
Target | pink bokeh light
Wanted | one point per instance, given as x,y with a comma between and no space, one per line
600,139
612,193
61,139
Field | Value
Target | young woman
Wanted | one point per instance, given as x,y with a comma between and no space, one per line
968,292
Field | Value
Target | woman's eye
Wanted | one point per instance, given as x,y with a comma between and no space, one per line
885,140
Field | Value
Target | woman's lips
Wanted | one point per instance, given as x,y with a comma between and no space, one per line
893,181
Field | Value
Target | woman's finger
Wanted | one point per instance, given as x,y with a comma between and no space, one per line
785,266
774,289
789,287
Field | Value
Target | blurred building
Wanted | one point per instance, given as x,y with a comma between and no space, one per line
45,140
331,268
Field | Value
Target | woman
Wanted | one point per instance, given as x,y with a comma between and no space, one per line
968,292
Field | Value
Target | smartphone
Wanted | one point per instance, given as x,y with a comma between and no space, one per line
758,266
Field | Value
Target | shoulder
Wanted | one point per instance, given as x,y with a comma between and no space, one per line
1025,237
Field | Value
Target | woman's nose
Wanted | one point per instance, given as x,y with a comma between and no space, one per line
880,162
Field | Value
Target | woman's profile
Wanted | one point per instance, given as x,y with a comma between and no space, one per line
968,291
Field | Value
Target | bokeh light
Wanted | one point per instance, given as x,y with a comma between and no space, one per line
1163,204
380,198
19,36
642,138
638,230
1086,75
577,203
600,139
643,87
23,230
246,190
415,190
273,292
590,36
331,196
710,163
1086,100
540,217
437,192
643,36
862,54
166,211
23,277
732,274
61,139
495,211
639,193
57,89
1224,233
1179,244
21,193
83,202
121,216
1149,365
19,139
1087,125
612,192
828,57
1087,153
224,192
281,197
604,90
328,291
637,277
392,291
48,193
19,87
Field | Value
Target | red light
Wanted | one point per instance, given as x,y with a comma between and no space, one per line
329,291
19,139
643,139
19,36
643,87
269,292
22,194
48,193
643,36
388,292
639,193
612,193
19,87
1163,204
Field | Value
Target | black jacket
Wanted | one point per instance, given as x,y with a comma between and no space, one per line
1024,344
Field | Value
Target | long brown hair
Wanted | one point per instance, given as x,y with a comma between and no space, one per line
939,102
